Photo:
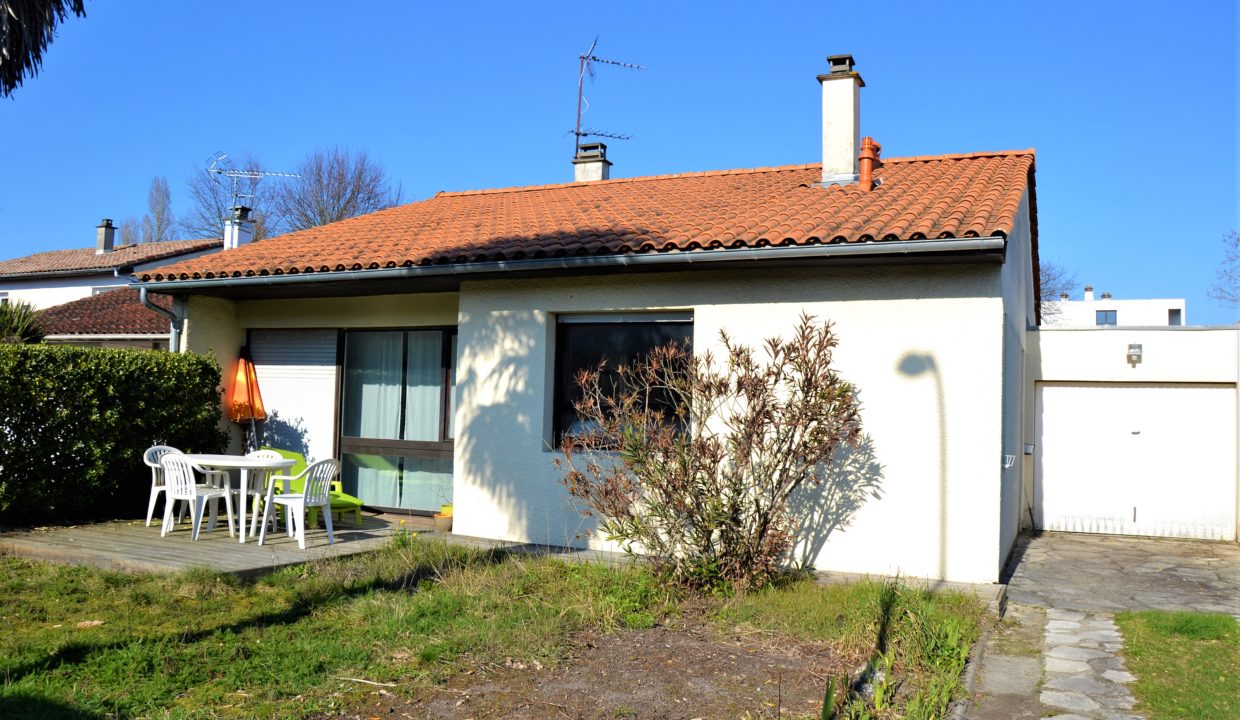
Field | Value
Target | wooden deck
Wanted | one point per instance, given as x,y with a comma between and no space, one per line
130,545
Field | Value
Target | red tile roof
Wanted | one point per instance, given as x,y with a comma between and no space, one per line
920,197
115,312
87,260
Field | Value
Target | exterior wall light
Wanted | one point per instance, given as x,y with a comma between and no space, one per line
1134,355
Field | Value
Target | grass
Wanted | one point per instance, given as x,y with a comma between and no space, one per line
85,643
920,640
1187,664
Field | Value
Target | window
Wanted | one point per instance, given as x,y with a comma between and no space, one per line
1104,317
396,425
584,340
4,298
1175,317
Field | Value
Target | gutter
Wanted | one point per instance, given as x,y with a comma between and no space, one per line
909,248
108,336
174,335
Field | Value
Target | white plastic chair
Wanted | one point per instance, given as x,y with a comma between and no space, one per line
151,458
317,493
180,484
258,486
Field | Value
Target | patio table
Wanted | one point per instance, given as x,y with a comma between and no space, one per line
245,465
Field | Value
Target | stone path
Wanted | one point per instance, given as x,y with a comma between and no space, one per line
1058,653
1084,672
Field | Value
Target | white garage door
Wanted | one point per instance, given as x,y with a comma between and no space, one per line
1136,459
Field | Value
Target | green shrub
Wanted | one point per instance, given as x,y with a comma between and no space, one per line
19,323
74,423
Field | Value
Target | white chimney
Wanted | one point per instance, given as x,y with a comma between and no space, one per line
841,121
591,163
1089,293
239,228
105,236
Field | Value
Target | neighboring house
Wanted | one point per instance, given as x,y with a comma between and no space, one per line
432,346
59,276
115,319
1106,311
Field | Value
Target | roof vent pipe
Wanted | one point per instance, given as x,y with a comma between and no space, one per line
105,236
870,161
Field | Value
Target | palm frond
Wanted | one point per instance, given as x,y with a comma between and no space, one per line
27,27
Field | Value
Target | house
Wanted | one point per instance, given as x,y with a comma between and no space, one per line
431,346
59,276
115,319
1106,311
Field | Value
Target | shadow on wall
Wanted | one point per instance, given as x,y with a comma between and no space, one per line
501,428
915,365
286,435
853,478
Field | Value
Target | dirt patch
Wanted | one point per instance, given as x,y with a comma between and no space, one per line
682,671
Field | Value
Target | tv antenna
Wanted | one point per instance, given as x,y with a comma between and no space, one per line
220,164
586,66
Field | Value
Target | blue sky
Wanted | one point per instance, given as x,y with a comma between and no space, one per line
1132,106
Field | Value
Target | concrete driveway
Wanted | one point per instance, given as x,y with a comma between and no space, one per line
1060,654
1108,573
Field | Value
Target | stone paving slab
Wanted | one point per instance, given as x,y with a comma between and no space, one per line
1084,671
1109,573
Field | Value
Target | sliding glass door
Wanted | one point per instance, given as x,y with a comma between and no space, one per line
396,424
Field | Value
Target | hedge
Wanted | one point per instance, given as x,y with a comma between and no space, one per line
74,423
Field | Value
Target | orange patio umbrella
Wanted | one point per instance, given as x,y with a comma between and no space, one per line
245,402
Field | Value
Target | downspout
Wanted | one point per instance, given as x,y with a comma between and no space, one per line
174,335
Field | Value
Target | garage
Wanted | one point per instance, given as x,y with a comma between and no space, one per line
1136,459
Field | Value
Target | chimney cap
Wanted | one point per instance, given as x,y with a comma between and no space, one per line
591,152
841,66
841,63
1089,288
105,223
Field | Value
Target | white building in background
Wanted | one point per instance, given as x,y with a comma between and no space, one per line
1105,311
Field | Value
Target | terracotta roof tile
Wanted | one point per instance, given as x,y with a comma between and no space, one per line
919,197
86,259
115,312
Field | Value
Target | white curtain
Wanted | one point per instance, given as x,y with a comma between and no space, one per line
423,386
372,385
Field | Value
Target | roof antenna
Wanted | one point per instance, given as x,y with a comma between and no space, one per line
587,60
220,164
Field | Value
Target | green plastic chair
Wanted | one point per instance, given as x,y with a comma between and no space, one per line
342,502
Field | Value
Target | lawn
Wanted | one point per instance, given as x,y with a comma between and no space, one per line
1187,664
419,622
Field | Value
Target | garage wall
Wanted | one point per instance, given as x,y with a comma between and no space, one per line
1188,373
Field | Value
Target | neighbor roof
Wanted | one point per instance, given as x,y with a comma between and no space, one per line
944,196
114,312
87,260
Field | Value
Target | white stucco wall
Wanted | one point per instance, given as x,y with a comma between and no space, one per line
1019,314
211,328
923,344
396,311
49,291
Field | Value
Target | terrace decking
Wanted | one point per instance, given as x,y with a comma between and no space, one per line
130,545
